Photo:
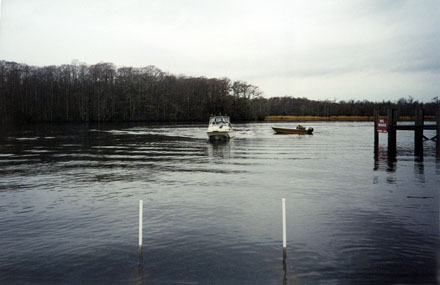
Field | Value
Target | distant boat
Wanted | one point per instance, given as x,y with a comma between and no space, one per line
220,128
300,130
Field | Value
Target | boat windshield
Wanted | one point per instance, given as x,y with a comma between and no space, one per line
217,120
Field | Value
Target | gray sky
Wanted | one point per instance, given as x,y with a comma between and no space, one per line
374,50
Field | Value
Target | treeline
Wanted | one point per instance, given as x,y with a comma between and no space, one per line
284,106
102,92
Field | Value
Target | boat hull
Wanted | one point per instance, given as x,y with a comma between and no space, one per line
219,136
308,131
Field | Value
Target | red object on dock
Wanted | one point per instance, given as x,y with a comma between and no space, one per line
382,125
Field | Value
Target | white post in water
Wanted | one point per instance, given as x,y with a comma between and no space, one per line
284,227
140,222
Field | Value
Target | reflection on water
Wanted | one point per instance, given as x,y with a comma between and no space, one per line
284,270
384,160
140,270
70,192
387,160
220,149
419,170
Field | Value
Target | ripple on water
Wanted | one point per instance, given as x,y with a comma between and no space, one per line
212,211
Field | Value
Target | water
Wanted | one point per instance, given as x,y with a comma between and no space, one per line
212,212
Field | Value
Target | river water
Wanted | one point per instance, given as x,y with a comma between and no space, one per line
69,198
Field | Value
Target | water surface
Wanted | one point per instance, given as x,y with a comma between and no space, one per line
212,212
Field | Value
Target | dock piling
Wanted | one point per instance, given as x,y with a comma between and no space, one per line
376,134
437,142
418,131
392,130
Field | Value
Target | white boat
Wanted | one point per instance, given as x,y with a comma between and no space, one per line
219,128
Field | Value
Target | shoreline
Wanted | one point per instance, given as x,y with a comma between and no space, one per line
340,118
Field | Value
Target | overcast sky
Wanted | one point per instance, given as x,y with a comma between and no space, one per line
374,50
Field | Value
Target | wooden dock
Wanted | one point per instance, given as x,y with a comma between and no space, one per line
392,127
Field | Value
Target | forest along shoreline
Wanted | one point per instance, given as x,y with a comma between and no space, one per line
102,92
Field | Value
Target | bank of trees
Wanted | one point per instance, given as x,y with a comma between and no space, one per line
304,107
102,92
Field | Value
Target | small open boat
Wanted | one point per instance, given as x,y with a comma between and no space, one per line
300,130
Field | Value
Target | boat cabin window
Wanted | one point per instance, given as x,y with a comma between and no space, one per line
219,120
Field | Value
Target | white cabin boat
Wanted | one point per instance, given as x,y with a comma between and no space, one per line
219,128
